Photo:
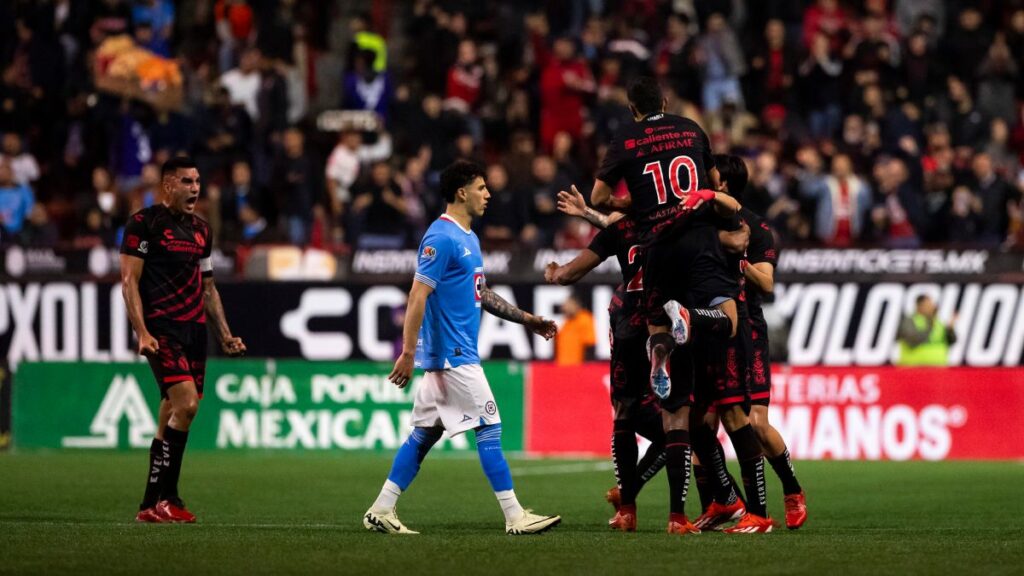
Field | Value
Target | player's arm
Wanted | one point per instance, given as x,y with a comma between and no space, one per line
491,302
735,241
726,205
601,197
131,273
762,275
573,204
231,345
401,374
574,270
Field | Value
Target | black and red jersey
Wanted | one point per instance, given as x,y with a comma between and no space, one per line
662,158
176,249
760,248
621,240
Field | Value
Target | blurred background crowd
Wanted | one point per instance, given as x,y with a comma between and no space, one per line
895,123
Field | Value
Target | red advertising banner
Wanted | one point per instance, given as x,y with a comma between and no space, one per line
823,413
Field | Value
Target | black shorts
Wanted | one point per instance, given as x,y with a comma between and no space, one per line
690,268
182,354
760,382
721,371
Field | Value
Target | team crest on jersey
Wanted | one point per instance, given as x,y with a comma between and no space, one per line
144,247
429,252
132,241
199,239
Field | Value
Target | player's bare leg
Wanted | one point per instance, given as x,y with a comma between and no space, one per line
775,450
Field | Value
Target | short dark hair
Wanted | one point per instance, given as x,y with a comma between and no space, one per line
920,298
175,163
733,171
457,175
645,95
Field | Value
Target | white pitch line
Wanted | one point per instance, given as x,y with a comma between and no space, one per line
207,524
556,469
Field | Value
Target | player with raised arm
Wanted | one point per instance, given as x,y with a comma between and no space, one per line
664,160
169,292
442,322
757,271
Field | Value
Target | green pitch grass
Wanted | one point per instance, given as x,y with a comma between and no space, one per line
301,513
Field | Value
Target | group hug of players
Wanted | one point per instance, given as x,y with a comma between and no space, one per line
689,338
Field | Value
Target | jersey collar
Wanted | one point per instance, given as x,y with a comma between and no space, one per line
452,220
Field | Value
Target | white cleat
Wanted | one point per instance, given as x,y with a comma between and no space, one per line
680,318
530,523
661,383
386,522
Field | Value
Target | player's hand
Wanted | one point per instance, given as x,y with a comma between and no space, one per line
401,374
572,203
695,199
233,346
148,346
744,264
550,273
542,327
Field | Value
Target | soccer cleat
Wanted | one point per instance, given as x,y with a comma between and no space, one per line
530,523
661,384
718,514
680,318
175,512
796,510
751,524
386,522
614,497
151,515
678,524
624,520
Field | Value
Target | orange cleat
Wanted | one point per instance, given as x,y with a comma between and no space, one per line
751,524
624,520
718,514
152,515
175,513
678,524
614,497
796,510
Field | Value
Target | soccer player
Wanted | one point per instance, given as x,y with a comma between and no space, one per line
757,270
665,161
442,321
169,292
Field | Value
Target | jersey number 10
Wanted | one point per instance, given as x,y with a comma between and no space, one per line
654,169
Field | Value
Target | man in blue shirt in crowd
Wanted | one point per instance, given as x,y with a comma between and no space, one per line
16,202
442,321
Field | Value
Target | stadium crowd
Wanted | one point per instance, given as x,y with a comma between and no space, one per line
872,122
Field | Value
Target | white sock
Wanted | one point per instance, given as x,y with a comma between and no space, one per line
509,505
388,496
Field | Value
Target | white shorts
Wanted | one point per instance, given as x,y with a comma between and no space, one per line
458,398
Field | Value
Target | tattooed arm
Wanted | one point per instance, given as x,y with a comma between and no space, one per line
498,306
231,345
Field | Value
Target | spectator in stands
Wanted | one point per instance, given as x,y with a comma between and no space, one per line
825,17
995,194
967,44
773,67
158,15
565,82
842,201
464,79
366,88
147,192
238,192
422,204
16,202
544,210
898,218
243,82
997,76
254,228
506,222
819,80
295,181
234,25
23,164
223,132
39,231
381,209
721,64
964,221
576,335
923,339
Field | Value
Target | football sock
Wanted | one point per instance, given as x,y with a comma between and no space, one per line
411,454
677,452
624,456
748,452
702,477
663,339
709,321
159,457
492,460
653,460
388,497
783,466
720,486
176,441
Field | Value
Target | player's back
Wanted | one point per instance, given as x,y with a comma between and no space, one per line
662,158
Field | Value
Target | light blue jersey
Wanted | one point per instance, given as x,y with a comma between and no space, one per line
451,263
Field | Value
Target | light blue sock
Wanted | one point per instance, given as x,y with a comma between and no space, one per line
492,459
411,454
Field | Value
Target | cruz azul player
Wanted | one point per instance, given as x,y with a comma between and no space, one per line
442,321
